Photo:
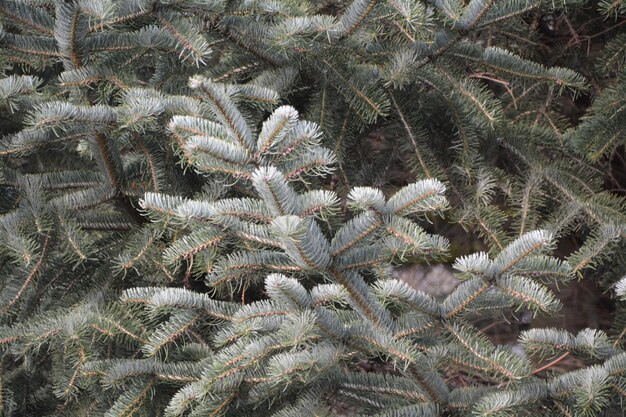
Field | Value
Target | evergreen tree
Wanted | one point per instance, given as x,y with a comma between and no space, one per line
196,219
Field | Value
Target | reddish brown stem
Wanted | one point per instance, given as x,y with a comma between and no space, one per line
551,364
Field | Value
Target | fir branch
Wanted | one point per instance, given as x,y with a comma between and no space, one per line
34,271
411,135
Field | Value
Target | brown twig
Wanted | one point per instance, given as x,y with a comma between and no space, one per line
619,337
243,292
551,364
187,278
575,37
491,326
505,84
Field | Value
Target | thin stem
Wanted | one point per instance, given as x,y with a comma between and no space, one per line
551,364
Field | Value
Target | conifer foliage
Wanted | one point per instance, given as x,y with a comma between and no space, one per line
195,222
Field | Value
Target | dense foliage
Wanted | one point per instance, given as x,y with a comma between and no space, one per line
202,203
